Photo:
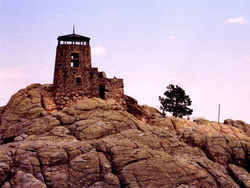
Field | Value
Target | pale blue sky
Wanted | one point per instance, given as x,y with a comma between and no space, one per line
201,45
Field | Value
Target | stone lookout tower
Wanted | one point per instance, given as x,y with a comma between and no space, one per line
74,76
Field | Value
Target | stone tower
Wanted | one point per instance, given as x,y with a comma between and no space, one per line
74,76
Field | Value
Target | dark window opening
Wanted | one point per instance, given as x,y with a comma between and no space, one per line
74,56
74,63
102,91
64,74
74,60
78,80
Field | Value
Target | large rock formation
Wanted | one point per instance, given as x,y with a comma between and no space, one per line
97,143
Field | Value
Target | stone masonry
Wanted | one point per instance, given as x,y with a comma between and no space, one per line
74,77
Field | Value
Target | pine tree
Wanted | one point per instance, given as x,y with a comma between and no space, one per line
175,101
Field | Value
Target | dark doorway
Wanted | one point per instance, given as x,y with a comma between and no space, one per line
102,91
100,75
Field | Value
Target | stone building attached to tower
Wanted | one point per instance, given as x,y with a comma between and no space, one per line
75,77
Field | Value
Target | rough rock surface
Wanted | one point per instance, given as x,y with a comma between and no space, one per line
144,112
239,124
96,143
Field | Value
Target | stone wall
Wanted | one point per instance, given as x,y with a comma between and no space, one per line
74,77
114,90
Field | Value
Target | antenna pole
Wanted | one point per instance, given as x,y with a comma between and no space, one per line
73,29
219,114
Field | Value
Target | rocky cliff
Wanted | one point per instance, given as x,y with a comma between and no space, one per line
96,143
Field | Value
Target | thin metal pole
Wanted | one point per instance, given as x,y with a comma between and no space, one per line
219,114
74,29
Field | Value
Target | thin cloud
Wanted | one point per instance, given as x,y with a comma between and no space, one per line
237,20
98,51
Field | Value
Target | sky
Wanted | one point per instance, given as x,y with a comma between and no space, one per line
201,45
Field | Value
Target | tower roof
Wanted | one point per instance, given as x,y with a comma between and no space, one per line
73,37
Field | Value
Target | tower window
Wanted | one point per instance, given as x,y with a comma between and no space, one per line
74,56
102,91
74,64
78,80
74,60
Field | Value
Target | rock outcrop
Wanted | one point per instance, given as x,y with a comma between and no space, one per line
239,124
97,143
144,112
